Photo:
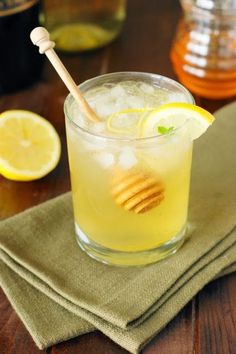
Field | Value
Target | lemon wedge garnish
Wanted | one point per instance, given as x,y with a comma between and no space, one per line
29,145
174,115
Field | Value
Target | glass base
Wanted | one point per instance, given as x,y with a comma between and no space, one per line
120,258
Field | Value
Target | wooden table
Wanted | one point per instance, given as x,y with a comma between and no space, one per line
207,325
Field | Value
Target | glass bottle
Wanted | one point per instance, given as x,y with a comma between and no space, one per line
204,49
20,64
79,25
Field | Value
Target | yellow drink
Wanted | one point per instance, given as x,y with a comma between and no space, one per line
78,25
106,230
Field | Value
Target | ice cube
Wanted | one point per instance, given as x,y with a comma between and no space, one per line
102,103
158,97
105,159
176,97
117,91
146,88
135,102
104,110
76,115
120,103
127,158
122,121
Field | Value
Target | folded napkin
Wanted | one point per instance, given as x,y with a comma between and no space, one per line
59,292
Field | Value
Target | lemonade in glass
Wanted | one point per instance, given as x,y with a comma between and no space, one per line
130,172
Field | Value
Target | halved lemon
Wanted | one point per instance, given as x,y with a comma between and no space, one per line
29,145
174,115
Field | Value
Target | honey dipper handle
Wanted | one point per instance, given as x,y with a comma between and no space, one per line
40,37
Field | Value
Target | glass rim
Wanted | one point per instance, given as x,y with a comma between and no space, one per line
137,74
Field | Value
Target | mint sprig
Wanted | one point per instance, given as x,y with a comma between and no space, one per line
164,130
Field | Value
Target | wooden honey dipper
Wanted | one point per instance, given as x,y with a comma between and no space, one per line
134,191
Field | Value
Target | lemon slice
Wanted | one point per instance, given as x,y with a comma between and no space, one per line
127,120
73,37
29,145
174,115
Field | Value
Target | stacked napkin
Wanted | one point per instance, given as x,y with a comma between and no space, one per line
59,292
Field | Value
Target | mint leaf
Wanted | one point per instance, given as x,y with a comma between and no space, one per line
164,130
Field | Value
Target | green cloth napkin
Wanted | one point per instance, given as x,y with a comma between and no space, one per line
59,292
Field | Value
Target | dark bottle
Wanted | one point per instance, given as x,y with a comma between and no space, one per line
20,63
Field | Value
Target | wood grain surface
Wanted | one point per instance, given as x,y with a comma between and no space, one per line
207,325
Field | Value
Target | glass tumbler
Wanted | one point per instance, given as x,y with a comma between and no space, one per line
105,230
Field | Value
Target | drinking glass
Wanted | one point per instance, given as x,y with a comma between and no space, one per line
105,230
79,25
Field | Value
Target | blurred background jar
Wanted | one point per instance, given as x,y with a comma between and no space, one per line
79,25
204,49
20,63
